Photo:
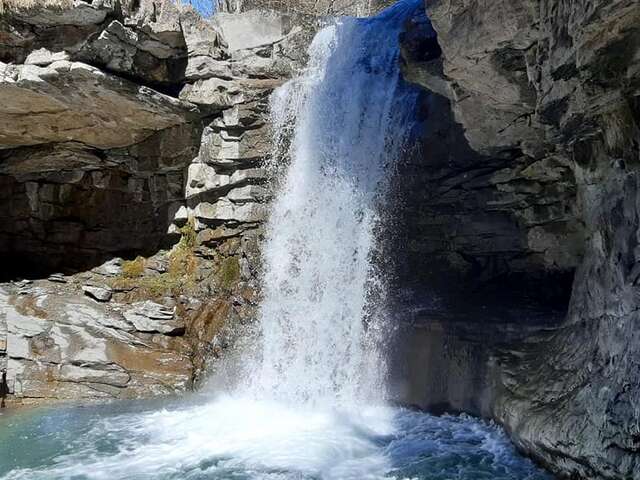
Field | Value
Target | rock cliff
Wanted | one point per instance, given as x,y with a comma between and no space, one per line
536,185
132,196
132,189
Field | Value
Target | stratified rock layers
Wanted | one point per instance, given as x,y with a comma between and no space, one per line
130,127
127,128
546,95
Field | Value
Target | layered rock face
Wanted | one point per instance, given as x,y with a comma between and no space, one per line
537,184
129,127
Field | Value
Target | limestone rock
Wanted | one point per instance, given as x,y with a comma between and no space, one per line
133,52
98,293
251,29
150,317
228,146
181,217
202,67
226,211
483,69
110,268
95,154
545,94
110,375
65,346
70,101
203,38
249,193
81,13
44,57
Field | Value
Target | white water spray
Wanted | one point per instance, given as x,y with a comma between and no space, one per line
323,317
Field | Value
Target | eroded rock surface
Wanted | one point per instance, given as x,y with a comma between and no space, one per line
63,346
545,94
133,140
133,144
72,101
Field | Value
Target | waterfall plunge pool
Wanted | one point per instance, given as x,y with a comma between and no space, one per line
240,438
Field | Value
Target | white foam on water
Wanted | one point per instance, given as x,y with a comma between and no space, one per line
240,438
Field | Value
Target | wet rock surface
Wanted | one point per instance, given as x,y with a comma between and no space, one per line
543,97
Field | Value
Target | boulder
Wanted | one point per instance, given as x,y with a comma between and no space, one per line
100,294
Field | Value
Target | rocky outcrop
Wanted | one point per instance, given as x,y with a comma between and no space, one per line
71,101
545,94
61,345
134,134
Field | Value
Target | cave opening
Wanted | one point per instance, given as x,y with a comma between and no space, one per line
475,273
72,220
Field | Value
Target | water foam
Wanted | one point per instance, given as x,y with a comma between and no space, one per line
239,438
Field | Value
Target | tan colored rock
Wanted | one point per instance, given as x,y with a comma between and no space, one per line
71,101
65,346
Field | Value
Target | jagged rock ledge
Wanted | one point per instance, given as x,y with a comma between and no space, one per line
532,196
133,136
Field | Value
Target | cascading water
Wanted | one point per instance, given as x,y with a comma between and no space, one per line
312,405
323,314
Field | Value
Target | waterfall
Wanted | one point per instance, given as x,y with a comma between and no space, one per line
339,128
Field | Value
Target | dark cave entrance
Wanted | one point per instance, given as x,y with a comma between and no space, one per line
68,221
475,274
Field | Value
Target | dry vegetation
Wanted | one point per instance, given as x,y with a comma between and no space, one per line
180,274
16,5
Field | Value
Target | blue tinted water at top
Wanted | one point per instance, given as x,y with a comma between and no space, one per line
206,8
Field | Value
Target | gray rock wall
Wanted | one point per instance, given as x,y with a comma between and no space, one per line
140,136
527,179
545,94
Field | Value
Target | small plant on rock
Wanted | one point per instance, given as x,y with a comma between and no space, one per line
180,275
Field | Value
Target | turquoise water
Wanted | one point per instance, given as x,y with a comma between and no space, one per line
236,438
